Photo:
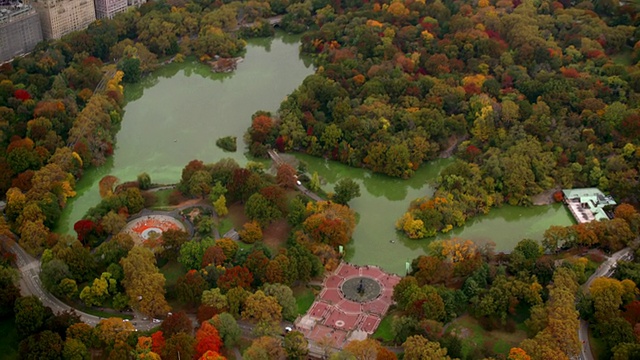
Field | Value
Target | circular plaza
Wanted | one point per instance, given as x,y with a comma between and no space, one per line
149,228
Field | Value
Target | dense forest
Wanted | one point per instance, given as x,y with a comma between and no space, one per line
528,95
539,95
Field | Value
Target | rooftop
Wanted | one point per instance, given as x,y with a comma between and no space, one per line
587,204
10,9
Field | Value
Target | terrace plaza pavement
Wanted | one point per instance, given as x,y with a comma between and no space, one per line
333,320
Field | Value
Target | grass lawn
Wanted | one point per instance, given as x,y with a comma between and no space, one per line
224,225
163,197
172,271
9,343
474,336
597,346
384,329
304,298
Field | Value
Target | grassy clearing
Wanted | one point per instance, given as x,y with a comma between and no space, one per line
9,343
598,348
172,271
384,329
304,298
474,336
224,225
163,197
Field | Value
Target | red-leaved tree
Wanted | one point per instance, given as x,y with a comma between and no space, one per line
207,339
157,342
237,276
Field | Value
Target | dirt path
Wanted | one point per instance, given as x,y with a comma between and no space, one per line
449,151
544,198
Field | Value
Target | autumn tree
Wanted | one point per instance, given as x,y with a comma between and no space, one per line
284,296
260,307
214,255
143,282
237,276
207,339
251,232
296,345
265,347
363,349
190,286
179,346
329,223
113,330
286,176
176,323
172,241
418,348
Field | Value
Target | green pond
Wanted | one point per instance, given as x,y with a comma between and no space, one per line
176,115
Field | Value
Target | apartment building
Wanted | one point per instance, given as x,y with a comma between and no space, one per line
60,17
20,29
106,9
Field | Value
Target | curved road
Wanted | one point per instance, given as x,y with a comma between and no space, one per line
604,270
30,285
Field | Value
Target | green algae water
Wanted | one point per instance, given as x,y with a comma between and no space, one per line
385,199
176,115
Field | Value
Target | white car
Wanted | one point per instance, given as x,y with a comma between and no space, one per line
156,321
298,182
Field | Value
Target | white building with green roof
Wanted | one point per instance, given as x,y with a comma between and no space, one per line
587,204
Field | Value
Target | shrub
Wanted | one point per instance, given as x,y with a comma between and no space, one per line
227,143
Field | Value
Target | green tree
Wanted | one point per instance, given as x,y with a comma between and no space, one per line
74,349
30,315
191,252
131,68
220,206
144,181
285,298
227,328
43,345
524,256
296,345
260,209
346,190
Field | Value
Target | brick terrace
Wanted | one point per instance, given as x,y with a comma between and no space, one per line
333,321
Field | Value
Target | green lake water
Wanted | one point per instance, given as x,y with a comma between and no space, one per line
176,115
385,199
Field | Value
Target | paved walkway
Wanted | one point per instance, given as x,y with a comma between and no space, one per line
278,160
605,269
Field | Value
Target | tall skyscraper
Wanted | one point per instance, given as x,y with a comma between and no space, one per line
20,29
60,17
106,9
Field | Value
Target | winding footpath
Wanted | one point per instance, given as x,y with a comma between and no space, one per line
605,269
